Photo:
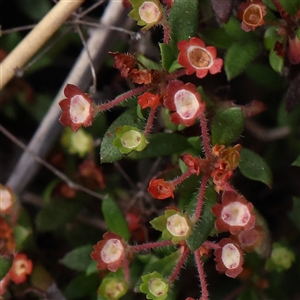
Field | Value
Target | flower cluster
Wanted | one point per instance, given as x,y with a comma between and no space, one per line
235,215
227,160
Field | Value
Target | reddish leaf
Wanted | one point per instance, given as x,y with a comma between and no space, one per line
223,9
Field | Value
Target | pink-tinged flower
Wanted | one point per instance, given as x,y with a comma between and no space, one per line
294,50
196,57
252,14
77,108
229,258
148,100
193,163
185,101
21,267
234,214
110,252
161,189
249,240
3,284
7,199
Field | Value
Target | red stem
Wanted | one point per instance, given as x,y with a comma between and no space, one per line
201,197
181,261
203,283
150,121
176,74
147,246
211,245
279,7
167,32
205,138
180,179
126,270
123,97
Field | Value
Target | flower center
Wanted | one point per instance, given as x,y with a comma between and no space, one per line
252,15
236,214
131,139
112,251
199,57
79,109
114,289
5,200
149,12
186,104
157,287
231,256
177,225
21,267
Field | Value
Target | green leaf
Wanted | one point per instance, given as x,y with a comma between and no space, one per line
254,167
276,61
108,152
82,286
264,76
216,37
56,214
290,6
239,56
167,56
114,218
270,4
295,212
148,63
163,266
270,37
296,163
78,259
227,126
162,144
234,31
205,224
5,264
92,268
183,20
21,234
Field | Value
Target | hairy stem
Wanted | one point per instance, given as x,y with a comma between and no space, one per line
123,97
180,179
203,283
205,137
201,197
143,247
180,263
149,121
